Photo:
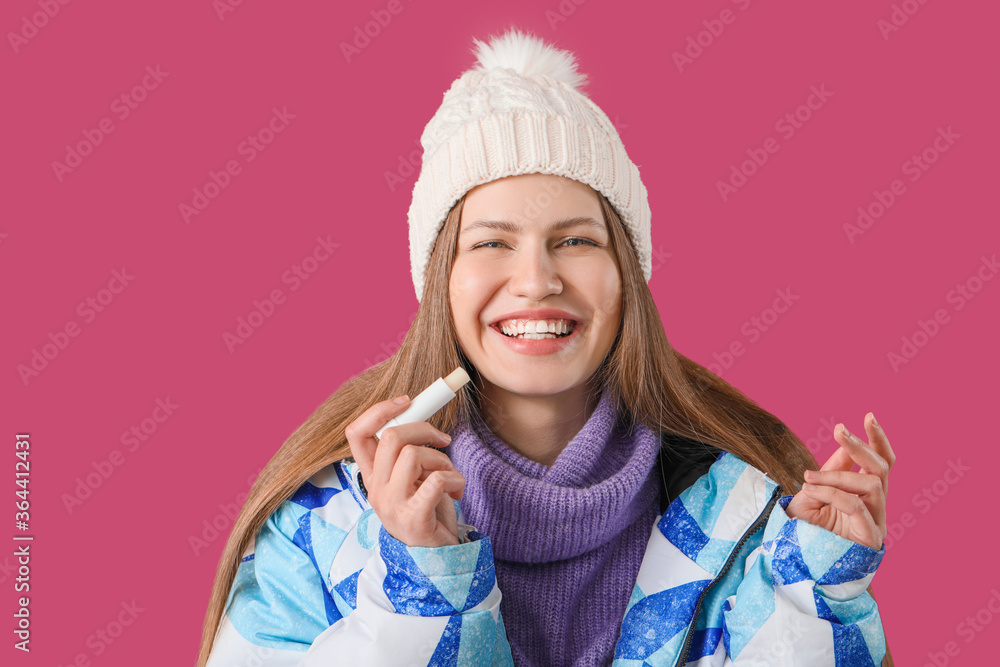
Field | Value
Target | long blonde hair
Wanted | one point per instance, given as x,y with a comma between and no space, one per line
657,385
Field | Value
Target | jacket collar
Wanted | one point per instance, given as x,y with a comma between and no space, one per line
681,462
692,559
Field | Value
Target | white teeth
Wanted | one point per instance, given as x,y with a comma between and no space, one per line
536,329
537,336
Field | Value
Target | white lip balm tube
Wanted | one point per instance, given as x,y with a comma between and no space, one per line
430,400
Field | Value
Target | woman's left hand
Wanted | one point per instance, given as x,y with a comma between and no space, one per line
851,504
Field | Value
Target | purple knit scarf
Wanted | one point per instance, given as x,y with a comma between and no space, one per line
567,539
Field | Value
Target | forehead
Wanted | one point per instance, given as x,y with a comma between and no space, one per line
531,201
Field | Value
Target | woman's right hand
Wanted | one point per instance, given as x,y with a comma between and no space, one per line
409,486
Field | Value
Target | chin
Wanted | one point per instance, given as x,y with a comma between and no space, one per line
533,387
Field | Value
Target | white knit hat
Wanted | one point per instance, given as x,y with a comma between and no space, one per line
519,111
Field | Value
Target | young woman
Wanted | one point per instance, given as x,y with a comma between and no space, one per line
592,496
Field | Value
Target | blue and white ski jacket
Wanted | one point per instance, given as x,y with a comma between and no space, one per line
727,579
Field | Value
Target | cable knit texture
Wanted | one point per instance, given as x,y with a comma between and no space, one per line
567,539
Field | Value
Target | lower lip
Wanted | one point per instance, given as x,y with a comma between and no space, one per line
539,346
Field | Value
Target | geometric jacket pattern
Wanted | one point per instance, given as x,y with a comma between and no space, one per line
727,578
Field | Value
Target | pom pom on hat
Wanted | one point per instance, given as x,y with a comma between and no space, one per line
529,56
520,110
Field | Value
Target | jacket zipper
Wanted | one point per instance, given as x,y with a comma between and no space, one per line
761,520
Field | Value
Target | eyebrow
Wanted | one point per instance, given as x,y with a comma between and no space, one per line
514,228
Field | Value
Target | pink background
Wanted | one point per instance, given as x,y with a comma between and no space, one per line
718,263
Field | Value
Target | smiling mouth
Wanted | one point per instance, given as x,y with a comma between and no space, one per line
536,336
536,330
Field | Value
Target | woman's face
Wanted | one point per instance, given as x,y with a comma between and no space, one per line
535,247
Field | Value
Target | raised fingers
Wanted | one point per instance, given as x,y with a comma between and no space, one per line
878,439
839,460
865,486
863,455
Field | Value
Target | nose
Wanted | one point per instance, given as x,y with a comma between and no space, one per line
535,274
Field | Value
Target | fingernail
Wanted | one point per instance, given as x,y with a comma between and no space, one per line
399,400
874,422
447,437
847,434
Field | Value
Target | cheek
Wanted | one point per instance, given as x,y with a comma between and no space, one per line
470,286
604,287
458,295
467,299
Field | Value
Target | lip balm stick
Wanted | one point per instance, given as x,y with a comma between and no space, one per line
430,400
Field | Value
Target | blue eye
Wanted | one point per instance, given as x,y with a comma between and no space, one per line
484,243
567,241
